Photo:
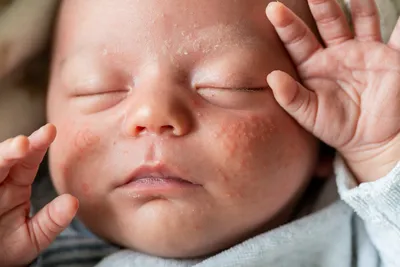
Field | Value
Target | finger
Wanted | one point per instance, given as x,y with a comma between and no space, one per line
50,221
298,39
299,102
394,41
11,151
366,21
24,172
12,196
331,21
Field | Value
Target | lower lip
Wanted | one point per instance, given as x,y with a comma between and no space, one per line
159,186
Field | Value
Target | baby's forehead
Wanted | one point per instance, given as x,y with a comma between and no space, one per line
168,27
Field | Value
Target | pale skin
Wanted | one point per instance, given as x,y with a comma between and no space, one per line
353,105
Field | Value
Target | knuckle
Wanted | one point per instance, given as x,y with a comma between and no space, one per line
296,36
329,18
28,165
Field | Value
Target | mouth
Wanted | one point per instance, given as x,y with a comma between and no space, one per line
156,179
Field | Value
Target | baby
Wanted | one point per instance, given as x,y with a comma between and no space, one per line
189,135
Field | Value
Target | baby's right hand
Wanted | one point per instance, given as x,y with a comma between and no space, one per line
22,238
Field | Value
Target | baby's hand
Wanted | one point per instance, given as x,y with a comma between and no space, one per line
22,238
351,98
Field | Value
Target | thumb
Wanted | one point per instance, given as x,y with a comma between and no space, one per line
52,220
295,99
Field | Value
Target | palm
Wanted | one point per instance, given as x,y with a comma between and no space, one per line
350,91
361,99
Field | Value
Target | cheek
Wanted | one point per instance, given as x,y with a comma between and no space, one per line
75,142
257,155
74,147
85,140
240,140
86,189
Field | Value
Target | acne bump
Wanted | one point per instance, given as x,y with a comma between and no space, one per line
86,189
241,137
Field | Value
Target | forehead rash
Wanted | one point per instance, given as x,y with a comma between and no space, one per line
218,38
240,25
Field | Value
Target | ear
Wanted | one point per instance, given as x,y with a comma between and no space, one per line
324,167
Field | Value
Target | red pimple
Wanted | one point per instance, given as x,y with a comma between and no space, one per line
86,189
63,168
197,101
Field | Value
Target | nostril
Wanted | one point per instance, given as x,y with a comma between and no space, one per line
139,129
163,129
166,128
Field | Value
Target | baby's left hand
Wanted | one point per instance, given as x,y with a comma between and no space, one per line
351,98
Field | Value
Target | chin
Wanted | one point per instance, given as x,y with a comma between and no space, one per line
168,236
189,246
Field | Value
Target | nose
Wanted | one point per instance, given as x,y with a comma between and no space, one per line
158,112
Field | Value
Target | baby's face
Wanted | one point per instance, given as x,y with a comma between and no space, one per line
173,95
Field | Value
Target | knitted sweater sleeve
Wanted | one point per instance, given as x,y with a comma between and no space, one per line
378,205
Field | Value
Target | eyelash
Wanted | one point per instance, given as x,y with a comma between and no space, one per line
239,89
100,93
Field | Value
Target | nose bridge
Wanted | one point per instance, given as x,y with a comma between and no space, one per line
159,106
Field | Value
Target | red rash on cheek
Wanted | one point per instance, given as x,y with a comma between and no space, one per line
85,139
242,137
244,142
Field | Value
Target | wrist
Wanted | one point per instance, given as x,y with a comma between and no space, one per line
373,164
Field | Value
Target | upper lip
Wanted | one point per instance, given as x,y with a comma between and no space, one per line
155,170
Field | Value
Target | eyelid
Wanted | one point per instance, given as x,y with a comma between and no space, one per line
97,92
241,88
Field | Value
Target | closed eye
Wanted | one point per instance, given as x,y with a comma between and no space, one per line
99,101
99,93
234,98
